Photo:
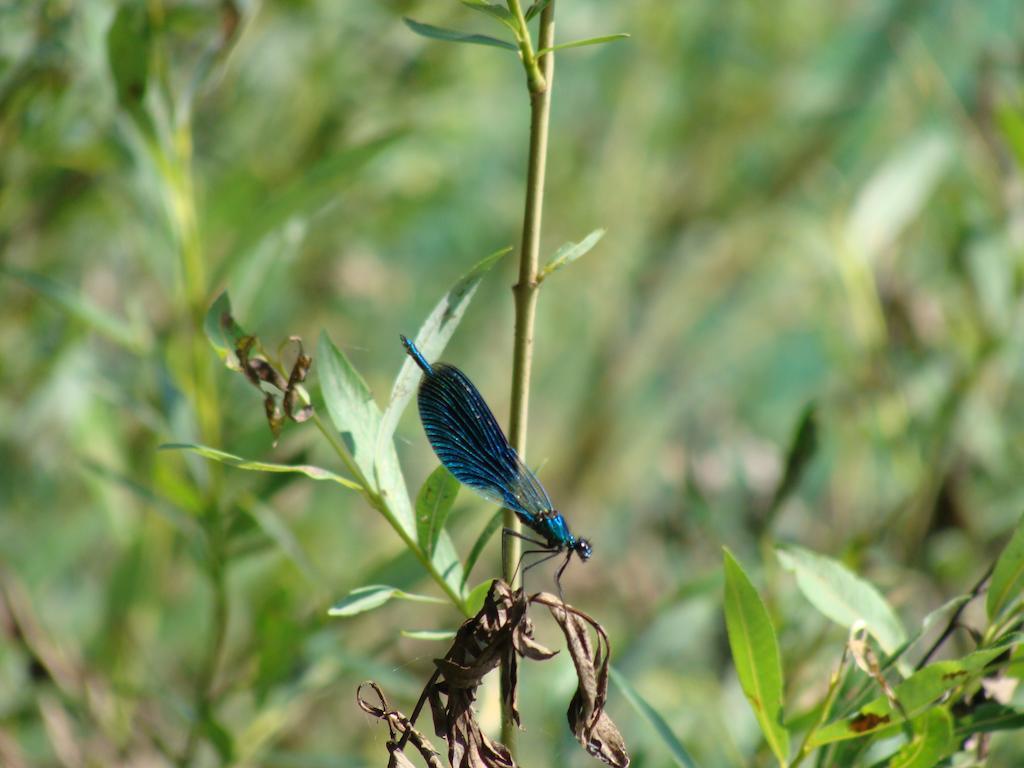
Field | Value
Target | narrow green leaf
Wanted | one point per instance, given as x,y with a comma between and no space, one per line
536,8
755,652
802,447
675,747
431,338
933,740
581,43
223,332
128,51
500,12
843,596
352,408
454,36
916,694
428,634
433,505
481,541
569,252
1008,575
78,306
476,597
308,470
989,717
220,738
373,596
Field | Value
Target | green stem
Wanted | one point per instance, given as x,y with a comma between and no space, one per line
539,79
826,709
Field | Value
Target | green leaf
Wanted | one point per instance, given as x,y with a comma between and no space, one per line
755,652
500,12
916,694
220,738
433,505
223,332
262,466
1008,575
431,338
277,531
112,327
933,740
428,634
352,408
581,43
989,717
481,541
476,597
802,447
128,50
374,596
569,252
536,8
675,747
454,36
843,596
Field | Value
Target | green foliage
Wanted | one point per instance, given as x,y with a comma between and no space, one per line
755,651
842,596
812,203
1008,576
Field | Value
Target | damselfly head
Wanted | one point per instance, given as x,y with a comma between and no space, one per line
583,549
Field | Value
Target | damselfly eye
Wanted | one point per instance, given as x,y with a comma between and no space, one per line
583,549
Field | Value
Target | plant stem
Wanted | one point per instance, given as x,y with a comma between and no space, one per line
539,74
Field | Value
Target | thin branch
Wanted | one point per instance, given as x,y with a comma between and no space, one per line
539,75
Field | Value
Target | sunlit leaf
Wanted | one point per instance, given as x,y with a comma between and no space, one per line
477,595
373,596
352,408
843,596
755,653
428,634
582,43
308,470
897,193
569,252
431,338
433,504
454,36
1008,575
675,747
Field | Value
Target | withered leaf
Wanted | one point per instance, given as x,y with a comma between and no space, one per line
593,729
298,375
399,726
501,630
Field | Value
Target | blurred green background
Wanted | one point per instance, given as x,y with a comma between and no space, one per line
805,201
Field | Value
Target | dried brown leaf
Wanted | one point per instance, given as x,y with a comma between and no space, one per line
587,719
503,631
399,726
